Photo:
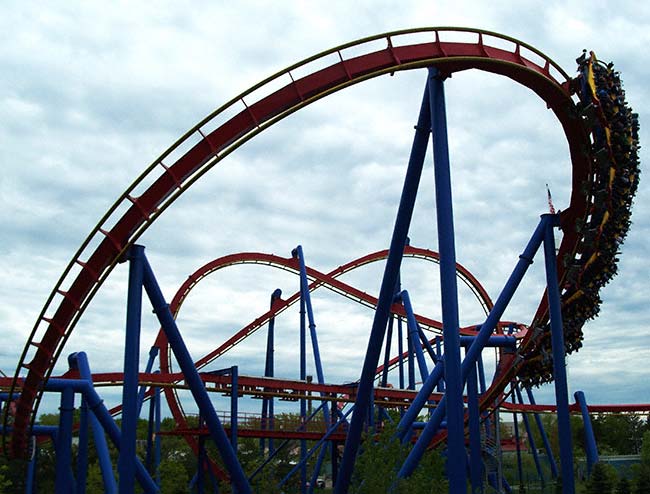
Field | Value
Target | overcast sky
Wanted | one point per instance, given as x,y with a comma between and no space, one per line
91,93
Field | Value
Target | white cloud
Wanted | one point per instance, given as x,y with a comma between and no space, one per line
89,96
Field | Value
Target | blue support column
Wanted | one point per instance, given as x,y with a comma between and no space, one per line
559,364
531,441
152,460
474,352
82,449
317,468
267,402
79,361
157,442
441,382
127,456
64,481
193,380
234,405
148,461
384,372
96,405
282,445
153,353
304,288
520,469
30,478
410,358
318,444
389,338
414,336
386,294
542,432
411,414
590,439
303,377
476,459
448,284
427,346
400,353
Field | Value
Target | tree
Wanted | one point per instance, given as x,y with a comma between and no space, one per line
618,433
174,478
601,480
5,483
623,486
377,466
643,474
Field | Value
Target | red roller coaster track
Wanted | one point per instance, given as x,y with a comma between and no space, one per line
244,117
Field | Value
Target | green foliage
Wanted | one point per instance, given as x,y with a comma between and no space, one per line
618,434
642,480
602,480
174,477
377,466
5,483
624,486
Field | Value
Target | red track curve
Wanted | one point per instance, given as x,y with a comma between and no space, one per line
213,138
319,279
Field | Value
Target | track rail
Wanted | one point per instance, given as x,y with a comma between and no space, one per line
318,279
248,114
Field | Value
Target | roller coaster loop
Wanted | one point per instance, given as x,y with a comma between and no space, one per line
602,136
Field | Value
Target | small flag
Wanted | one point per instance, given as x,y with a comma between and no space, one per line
551,208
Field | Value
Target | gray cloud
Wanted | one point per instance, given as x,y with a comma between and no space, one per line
85,109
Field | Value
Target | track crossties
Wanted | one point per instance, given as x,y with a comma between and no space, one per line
610,189
248,114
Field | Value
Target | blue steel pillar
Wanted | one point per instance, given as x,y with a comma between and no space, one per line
304,289
590,439
96,405
64,481
157,443
414,337
82,448
520,470
449,291
476,460
31,471
400,353
559,364
441,383
474,352
267,402
303,377
542,432
193,380
127,455
386,294
153,353
234,405
79,361
531,440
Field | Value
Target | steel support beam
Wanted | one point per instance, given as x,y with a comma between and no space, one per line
127,456
474,351
192,378
64,482
386,294
559,358
456,455
79,361
475,457
542,432
590,438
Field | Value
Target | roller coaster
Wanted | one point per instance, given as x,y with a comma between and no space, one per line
602,136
